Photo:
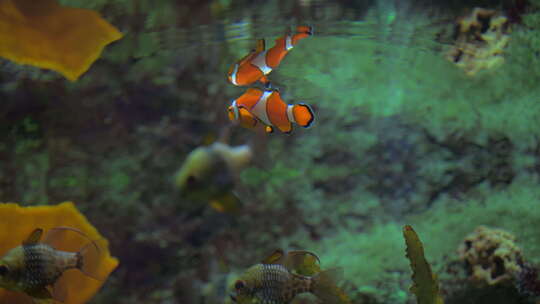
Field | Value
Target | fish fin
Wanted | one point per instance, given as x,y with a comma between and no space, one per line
276,257
302,261
261,46
60,291
302,32
325,288
88,257
57,235
264,80
40,293
246,118
226,203
305,29
253,92
286,129
34,237
269,129
303,115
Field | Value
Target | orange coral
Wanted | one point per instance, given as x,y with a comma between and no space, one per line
491,255
47,35
18,222
480,40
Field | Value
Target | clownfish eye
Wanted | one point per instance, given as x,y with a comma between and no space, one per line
239,284
3,270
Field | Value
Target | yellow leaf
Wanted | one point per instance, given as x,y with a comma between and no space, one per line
47,35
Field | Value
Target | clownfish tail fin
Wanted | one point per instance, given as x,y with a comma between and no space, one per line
303,115
302,32
305,29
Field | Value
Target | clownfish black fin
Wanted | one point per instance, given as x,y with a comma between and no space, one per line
261,46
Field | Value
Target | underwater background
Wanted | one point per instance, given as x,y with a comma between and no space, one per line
417,121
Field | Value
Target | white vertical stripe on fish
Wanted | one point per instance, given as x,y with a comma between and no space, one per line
259,109
290,114
260,62
288,43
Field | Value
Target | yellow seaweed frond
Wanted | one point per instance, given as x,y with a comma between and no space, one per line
18,222
45,34
425,283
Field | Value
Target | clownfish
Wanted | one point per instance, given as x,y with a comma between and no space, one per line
267,107
260,62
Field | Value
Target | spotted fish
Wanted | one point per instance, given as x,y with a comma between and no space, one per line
34,267
277,283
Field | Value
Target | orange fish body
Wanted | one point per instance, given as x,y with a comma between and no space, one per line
267,107
260,62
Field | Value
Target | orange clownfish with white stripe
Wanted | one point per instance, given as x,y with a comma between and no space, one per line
266,107
260,62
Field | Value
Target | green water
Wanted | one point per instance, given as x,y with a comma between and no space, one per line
402,135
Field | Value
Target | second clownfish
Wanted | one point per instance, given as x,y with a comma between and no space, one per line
257,106
260,62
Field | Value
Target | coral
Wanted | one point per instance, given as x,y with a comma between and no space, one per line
491,255
480,40
17,223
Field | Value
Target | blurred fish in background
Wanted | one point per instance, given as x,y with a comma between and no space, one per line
210,173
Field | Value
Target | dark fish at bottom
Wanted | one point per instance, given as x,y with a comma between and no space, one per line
274,282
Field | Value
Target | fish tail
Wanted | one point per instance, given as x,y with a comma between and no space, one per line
303,115
324,286
305,29
302,31
89,259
